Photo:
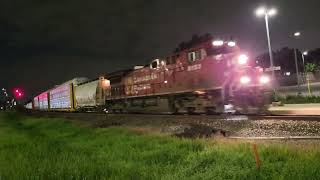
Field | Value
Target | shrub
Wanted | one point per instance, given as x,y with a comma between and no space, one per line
299,99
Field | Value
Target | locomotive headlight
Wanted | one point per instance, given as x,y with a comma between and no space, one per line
264,79
243,59
217,43
245,80
231,43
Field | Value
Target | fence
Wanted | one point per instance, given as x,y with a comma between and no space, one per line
288,85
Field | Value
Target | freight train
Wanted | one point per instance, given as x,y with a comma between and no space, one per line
210,76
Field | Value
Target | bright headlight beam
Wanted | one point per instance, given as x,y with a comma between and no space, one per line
243,59
231,43
264,80
217,43
245,80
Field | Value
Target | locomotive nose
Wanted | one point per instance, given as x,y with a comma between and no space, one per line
245,80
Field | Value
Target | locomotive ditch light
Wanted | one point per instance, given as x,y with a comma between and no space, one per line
217,43
264,79
243,59
231,44
245,80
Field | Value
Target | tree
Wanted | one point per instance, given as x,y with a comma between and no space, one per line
311,67
283,57
313,57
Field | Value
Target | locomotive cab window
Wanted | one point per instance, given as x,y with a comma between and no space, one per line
194,56
154,64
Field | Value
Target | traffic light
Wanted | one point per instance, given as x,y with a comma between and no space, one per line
18,93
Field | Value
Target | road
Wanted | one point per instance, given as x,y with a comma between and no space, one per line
296,109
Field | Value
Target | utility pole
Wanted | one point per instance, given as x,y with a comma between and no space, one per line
297,68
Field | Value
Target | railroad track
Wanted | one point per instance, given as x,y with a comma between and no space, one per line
194,116
234,126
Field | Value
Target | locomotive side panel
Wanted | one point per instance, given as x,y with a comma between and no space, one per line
183,76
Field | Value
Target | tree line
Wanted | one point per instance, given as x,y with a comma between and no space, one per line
285,58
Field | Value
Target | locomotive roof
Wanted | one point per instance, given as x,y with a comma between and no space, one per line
118,73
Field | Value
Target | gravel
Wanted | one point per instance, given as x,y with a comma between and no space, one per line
203,126
280,128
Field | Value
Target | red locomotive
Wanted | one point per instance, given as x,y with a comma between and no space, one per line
211,76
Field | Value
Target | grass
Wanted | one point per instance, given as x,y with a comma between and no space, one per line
40,148
299,99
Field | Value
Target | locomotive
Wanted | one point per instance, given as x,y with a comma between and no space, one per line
209,76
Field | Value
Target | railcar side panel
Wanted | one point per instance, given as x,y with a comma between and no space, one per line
85,94
61,97
36,103
43,101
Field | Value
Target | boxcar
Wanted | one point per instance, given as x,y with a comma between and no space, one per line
61,97
43,101
90,96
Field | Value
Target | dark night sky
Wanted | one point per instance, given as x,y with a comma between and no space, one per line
43,43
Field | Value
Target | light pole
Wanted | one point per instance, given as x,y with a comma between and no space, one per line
297,35
260,12
305,53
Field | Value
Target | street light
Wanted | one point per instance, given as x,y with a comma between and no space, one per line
260,12
305,53
297,34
